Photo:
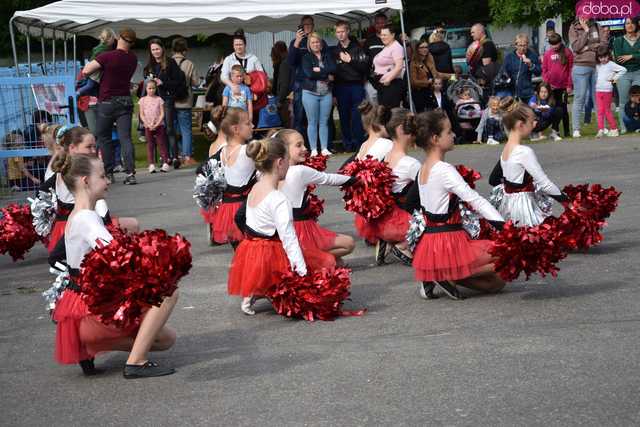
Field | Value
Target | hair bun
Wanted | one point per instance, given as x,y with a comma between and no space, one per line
257,150
365,107
508,104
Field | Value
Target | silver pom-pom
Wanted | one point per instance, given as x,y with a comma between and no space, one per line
496,196
53,294
210,184
417,225
544,202
43,210
470,221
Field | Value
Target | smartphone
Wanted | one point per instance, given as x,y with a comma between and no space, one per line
300,27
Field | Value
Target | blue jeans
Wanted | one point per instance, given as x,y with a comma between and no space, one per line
349,96
183,118
630,124
317,108
583,78
624,83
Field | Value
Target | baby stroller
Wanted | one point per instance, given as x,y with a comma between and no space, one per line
466,97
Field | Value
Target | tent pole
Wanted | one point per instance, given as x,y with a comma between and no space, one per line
44,57
75,65
65,52
29,49
53,51
13,45
406,62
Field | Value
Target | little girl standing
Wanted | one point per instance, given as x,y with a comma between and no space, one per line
152,116
556,71
608,72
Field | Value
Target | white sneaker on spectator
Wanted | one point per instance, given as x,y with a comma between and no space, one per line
326,152
118,168
576,134
314,153
600,133
613,133
555,136
165,167
537,136
152,168
491,141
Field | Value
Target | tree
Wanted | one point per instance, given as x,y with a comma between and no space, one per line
529,12
419,13
8,9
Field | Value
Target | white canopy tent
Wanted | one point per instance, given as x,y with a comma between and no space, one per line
66,19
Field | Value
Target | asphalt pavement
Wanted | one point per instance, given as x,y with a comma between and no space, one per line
552,352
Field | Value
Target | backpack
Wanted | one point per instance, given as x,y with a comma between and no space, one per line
181,91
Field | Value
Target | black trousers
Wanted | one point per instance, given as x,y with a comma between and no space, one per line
561,97
391,96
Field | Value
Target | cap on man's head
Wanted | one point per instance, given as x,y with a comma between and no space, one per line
128,35
551,25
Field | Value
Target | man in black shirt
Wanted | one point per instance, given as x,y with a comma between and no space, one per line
482,57
351,72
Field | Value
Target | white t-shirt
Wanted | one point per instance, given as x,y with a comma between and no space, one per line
83,229
379,149
521,159
300,176
242,169
406,171
250,62
607,72
64,195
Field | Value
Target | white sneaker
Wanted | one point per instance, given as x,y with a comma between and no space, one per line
576,134
600,133
537,136
152,168
326,152
246,306
555,136
314,153
613,132
491,141
165,167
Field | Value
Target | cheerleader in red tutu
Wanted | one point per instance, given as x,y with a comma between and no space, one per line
390,230
271,247
445,255
522,188
79,334
74,140
239,172
299,177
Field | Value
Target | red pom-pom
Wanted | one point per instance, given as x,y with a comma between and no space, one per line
316,296
487,232
17,234
370,196
123,278
469,175
318,162
527,249
315,206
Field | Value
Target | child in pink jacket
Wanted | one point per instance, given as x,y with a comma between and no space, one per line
556,70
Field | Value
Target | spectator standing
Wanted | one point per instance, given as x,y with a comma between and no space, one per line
248,61
166,73
441,51
352,70
585,36
185,106
114,101
626,52
281,86
608,73
631,115
521,65
556,71
482,57
236,94
318,67
297,50
152,117
551,29
388,67
372,47
422,73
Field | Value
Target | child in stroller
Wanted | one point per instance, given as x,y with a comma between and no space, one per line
466,96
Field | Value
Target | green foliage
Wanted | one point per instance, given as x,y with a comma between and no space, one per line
452,12
534,13
9,7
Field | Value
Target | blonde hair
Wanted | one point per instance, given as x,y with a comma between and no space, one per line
71,167
106,35
514,111
265,152
313,35
49,132
521,37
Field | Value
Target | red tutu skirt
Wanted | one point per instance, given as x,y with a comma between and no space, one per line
311,235
57,232
224,228
392,227
81,335
259,263
449,255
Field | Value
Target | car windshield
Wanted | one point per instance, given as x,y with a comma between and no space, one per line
458,39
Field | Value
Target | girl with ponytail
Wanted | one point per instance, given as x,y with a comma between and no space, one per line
271,247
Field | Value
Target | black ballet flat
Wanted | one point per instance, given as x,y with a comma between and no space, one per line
147,370
89,369
425,289
450,290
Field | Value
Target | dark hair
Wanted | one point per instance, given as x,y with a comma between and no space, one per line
179,45
265,152
428,125
513,111
401,116
374,116
71,167
41,116
152,61
634,21
278,52
555,39
224,118
634,90
550,100
379,15
603,51
389,27
343,23
305,17
70,136
239,35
